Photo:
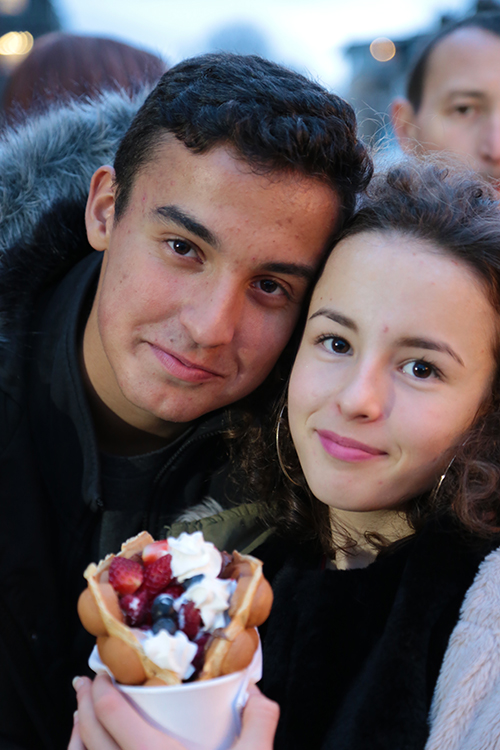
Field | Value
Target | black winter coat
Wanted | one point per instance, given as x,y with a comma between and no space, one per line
352,656
50,483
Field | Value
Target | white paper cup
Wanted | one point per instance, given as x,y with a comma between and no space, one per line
201,715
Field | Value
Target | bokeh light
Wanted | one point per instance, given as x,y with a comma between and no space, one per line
16,43
13,7
382,49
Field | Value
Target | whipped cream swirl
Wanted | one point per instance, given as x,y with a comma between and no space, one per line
211,596
173,652
192,555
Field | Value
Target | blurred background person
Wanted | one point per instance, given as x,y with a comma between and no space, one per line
63,66
361,50
453,95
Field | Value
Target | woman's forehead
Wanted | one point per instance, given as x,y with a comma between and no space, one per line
377,276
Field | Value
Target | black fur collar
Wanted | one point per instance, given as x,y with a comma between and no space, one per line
353,656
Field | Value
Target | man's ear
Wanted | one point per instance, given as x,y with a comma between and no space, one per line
403,124
100,211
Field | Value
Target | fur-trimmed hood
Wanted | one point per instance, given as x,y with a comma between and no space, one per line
45,171
465,711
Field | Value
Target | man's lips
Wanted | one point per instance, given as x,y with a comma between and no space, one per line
182,369
347,449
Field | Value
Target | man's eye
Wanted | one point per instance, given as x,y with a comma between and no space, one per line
464,109
335,344
269,286
181,247
420,369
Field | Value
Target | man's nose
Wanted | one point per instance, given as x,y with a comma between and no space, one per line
212,317
366,394
490,139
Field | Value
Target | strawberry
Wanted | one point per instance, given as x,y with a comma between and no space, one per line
190,620
135,607
125,575
154,551
158,575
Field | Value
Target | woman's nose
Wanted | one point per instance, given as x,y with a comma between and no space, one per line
366,394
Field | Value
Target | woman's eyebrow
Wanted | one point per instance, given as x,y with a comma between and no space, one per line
337,317
435,346
415,342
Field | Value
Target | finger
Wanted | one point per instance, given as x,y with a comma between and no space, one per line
75,741
259,722
128,729
92,733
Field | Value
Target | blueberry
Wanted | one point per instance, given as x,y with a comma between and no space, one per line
165,623
162,606
190,581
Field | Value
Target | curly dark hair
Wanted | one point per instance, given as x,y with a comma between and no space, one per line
459,214
274,118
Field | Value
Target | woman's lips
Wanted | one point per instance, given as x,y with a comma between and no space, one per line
346,449
181,368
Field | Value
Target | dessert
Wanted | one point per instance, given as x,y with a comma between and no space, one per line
174,610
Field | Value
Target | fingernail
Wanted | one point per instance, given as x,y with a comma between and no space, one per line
77,682
75,718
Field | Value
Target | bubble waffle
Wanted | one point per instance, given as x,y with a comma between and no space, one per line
220,651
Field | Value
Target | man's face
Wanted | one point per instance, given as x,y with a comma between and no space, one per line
202,282
460,109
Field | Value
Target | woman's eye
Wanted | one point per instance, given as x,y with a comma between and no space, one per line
181,247
419,368
336,344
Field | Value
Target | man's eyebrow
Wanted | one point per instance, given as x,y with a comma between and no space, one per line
187,222
466,93
289,269
337,317
431,345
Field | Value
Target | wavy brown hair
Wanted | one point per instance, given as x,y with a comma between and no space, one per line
428,200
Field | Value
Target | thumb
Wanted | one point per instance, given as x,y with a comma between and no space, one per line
259,721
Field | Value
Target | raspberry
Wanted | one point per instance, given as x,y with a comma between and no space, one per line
158,575
125,575
154,551
174,589
190,620
202,643
135,607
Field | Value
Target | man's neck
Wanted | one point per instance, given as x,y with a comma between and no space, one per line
117,437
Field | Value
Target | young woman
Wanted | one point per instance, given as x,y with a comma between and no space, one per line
393,414
388,500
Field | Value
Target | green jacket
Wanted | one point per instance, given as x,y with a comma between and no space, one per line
238,528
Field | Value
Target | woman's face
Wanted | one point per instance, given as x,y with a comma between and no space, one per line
396,359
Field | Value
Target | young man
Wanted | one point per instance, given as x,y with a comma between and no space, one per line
118,372
453,96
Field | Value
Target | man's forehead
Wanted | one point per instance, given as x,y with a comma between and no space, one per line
170,157
465,61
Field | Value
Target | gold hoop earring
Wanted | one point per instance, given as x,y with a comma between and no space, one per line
278,451
436,489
